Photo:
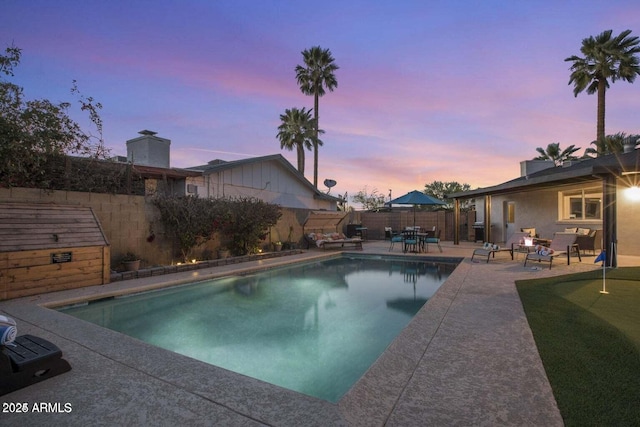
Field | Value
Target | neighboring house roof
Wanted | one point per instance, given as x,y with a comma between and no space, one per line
155,172
577,171
221,165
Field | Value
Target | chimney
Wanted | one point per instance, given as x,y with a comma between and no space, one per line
527,167
149,150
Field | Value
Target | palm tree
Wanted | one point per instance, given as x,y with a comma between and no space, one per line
611,144
298,130
605,58
313,78
554,153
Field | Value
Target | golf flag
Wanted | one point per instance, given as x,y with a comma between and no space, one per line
602,257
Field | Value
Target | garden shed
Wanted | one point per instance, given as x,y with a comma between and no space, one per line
46,248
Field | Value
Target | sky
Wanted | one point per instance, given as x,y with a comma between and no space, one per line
427,90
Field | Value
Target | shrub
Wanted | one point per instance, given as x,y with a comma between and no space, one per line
192,221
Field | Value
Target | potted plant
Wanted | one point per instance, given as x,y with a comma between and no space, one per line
131,262
290,244
277,246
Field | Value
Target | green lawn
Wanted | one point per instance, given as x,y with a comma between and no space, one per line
589,343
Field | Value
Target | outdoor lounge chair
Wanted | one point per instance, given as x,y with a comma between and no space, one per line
510,246
29,360
562,244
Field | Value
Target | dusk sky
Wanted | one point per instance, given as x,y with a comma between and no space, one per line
427,90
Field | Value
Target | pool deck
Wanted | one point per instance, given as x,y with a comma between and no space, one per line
467,358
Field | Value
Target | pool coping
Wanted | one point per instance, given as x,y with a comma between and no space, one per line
117,378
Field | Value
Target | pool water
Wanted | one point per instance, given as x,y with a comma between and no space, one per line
314,327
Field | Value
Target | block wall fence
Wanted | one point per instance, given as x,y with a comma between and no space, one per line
131,223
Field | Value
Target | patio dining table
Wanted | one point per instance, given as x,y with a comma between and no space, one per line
420,238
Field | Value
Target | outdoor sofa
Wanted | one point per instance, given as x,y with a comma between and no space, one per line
323,240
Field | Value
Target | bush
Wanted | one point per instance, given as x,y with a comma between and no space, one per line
241,223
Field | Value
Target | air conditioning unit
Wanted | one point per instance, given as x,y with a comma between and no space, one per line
192,189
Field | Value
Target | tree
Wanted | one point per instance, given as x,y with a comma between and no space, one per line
313,78
439,190
554,153
611,144
32,132
605,59
369,201
298,130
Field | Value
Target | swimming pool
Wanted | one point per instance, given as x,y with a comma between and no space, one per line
313,327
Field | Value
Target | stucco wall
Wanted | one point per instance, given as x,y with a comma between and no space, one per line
539,209
628,212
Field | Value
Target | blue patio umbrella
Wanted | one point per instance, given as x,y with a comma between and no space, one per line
415,198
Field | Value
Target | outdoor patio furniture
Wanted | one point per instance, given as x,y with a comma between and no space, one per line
410,241
510,246
432,238
561,244
396,238
316,230
29,360
590,242
324,240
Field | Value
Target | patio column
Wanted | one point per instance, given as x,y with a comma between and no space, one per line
609,217
456,222
487,218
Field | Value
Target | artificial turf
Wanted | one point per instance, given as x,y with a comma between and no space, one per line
589,343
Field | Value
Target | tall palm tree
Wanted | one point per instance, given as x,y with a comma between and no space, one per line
605,58
298,130
313,78
554,153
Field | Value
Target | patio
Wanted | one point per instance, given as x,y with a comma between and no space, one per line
468,358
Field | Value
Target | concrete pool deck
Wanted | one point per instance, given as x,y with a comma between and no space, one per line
467,358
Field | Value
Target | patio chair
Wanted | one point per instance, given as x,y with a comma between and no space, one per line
510,246
410,240
561,244
396,238
433,239
590,242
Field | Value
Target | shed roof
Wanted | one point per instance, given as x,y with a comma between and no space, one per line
46,226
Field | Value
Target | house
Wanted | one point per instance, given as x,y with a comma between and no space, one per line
599,193
269,178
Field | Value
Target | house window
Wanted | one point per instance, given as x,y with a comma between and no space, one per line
580,205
